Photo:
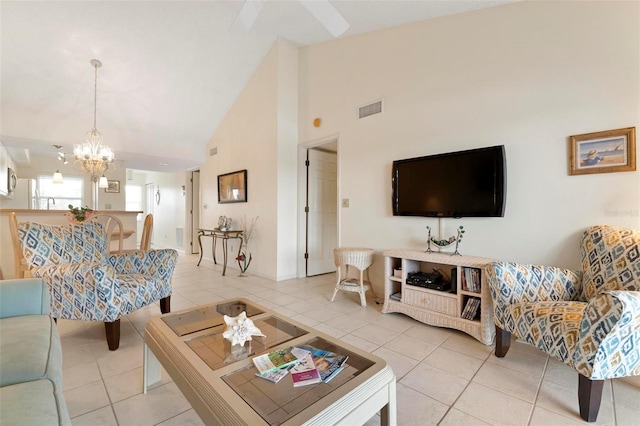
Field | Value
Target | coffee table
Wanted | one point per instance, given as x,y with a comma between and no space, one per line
220,383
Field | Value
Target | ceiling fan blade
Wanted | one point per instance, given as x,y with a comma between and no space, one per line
328,16
247,16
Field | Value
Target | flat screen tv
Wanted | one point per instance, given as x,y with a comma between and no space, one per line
468,183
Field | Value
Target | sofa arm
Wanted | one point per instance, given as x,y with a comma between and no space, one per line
82,291
511,283
609,336
156,263
23,297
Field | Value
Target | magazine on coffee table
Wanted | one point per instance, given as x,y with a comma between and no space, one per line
278,359
328,363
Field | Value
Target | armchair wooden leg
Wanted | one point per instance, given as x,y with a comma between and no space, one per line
165,305
589,397
113,334
503,341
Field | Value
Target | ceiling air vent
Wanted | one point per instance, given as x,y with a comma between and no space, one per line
370,109
213,151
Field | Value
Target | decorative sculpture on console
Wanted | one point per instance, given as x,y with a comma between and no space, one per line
442,244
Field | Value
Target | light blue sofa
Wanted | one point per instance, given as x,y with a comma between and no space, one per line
30,357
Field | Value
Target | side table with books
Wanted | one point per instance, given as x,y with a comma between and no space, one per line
224,386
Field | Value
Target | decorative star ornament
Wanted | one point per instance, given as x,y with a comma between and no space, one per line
240,329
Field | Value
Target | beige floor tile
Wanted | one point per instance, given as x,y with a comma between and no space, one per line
563,400
119,361
399,323
429,334
514,383
124,385
626,415
465,344
100,417
415,408
399,363
188,418
158,405
453,362
458,418
435,383
347,323
375,334
330,330
493,407
544,417
416,349
527,364
627,392
87,398
80,374
359,342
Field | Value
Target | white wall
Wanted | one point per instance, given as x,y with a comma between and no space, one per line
247,139
526,75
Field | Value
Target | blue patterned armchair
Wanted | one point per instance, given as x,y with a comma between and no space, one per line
589,320
86,282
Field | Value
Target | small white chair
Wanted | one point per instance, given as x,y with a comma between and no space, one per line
359,258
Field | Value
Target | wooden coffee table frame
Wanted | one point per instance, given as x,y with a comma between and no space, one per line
354,402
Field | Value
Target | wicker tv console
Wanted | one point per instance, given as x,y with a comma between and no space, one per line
440,308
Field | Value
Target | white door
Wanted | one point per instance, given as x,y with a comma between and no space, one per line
195,210
322,215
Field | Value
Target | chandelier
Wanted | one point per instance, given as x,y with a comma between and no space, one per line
92,156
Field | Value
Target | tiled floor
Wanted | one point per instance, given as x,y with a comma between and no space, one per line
444,377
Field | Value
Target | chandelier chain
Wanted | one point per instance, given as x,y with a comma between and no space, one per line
95,95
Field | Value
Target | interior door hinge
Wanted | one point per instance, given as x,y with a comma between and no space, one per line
306,163
306,209
306,255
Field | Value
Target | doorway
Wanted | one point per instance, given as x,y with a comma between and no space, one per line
321,208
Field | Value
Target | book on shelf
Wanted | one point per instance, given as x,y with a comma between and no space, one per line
278,359
328,363
305,372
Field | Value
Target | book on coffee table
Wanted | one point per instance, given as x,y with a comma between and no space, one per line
305,372
278,359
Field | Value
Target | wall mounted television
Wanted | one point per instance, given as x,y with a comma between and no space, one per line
468,183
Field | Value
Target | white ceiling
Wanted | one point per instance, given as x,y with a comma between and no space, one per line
171,69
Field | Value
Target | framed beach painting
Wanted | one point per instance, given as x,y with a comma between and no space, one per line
232,187
603,152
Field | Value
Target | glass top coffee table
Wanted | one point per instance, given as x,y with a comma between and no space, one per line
219,379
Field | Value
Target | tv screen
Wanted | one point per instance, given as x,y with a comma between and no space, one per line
468,183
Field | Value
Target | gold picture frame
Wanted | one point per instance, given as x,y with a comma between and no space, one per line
603,152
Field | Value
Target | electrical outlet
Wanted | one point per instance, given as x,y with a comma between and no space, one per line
107,206
345,202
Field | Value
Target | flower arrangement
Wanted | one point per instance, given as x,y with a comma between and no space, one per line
243,259
80,214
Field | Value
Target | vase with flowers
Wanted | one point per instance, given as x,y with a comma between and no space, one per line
244,255
80,214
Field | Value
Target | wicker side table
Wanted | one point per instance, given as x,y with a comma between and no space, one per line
359,258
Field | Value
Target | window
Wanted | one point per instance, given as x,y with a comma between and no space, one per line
59,195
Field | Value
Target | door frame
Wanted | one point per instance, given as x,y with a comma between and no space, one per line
302,196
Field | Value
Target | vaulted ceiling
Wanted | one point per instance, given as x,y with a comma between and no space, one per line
171,69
